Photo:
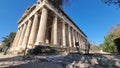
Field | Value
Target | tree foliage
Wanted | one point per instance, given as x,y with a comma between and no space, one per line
112,40
58,3
117,43
116,36
9,38
109,2
116,31
108,44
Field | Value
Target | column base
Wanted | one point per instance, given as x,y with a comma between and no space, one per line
29,47
36,43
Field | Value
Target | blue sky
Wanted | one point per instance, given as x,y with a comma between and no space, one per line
92,16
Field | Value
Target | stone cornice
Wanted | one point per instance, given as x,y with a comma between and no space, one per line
38,7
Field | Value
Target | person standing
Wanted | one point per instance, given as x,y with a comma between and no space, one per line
77,46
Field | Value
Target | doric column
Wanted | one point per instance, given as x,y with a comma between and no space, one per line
73,37
22,35
27,33
18,38
79,39
52,35
55,30
69,36
42,27
63,34
81,42
76,36
33,32
15,40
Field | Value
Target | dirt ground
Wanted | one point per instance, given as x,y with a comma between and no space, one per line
70,60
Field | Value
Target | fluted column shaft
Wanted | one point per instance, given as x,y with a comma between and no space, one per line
73,37
15,40
55,30
22,35
18,38
27,33
79,39
63,34
33,32
69,36
42,27
13,45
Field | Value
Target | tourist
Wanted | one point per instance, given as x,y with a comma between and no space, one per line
77,46
87,48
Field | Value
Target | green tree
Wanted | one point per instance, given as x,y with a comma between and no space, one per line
117,43
116,36
116,31
108,44
112,40
8,38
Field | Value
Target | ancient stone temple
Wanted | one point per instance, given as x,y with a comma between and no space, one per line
44,24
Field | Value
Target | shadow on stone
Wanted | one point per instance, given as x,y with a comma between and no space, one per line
40,49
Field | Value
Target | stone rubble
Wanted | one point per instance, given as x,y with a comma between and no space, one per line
72,60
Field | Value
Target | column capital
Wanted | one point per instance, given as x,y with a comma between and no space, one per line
55,15
44,9
29,20
62,21
18,28
37,13
69,26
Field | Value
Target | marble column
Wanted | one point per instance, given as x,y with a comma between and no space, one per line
27,33
33,31
73,34
17,34
63,34
18,38
52,35
22,35
42,27
55,30
79,40
77,37
69,36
